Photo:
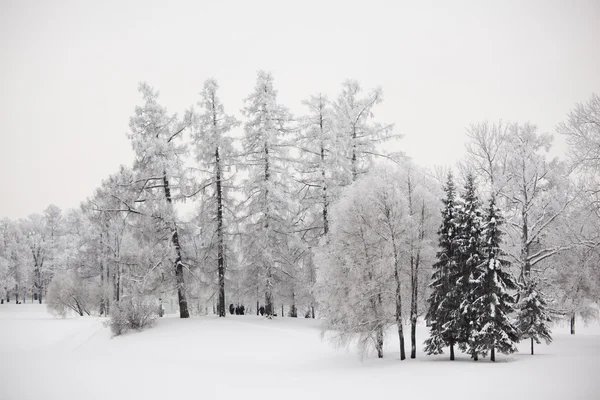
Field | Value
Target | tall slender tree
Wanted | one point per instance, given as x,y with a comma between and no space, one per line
214,150
267,204
156,138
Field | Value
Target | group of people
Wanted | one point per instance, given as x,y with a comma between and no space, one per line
237,310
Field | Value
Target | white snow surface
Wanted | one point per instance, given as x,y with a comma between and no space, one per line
249,357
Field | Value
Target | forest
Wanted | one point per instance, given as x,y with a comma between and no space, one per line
310,216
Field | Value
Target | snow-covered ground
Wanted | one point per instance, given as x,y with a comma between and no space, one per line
248,357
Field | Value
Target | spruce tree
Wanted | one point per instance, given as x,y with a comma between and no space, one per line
442,307
493,304
533,315
468,253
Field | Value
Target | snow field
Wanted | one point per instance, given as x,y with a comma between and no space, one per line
249,357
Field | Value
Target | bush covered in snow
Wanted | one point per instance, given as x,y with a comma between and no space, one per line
132,313
68,292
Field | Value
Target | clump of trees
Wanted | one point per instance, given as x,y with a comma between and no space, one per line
309,215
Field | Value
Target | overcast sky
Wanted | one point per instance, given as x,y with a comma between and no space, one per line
69,72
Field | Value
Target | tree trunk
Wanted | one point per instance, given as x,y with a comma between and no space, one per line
102,291
452,351
398,300
526,265
220,241
269,296
181,294
493,355
324,185
379,343
531,346
354,166
269,273
573,324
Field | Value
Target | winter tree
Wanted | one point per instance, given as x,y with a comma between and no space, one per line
493,293
267,204
534,192
582,130
354,272
469,256
355,126
214,150
533,314
160,178
443,302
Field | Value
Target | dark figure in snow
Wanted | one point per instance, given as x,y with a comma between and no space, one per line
261,310
242,310
231,309
161,310
2,301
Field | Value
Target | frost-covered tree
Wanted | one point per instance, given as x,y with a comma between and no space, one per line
319,172
67,292
37,241
356,129
575,272
420,192
582,130
372,249
108,217
267,210
493,301
534,192
214,150
533,314
355,274
443,302
15,265
160,177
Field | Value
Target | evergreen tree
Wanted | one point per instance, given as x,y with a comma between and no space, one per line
493,303
533,315
442,307
468,246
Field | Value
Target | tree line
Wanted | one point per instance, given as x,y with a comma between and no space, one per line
311,216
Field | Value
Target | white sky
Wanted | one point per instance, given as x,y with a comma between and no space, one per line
69,72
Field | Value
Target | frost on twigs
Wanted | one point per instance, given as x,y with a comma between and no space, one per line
133,314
